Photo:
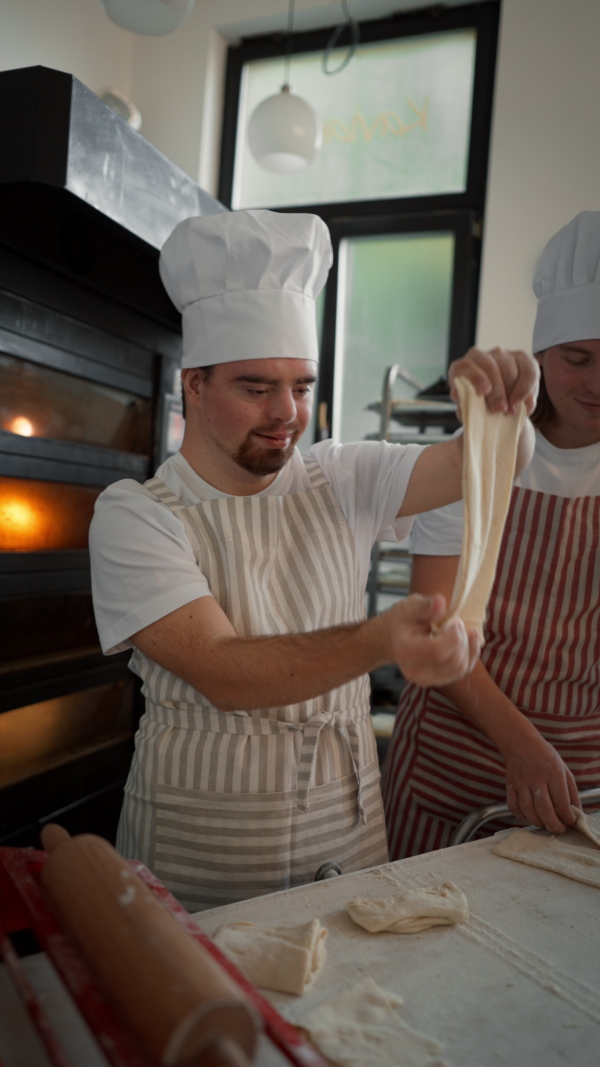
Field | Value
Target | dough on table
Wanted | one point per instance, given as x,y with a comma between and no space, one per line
586,826
284,958
579,862
411,911
361,1028
490,454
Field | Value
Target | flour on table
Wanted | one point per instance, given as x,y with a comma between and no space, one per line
412,911
490,452
361,1028
581,863
283,958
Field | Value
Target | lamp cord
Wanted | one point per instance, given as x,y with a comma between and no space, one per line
335,36
288,46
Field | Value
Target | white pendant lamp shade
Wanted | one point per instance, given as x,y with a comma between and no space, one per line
150,17
284,133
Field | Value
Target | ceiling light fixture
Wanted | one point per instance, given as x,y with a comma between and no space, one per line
149,17
284,131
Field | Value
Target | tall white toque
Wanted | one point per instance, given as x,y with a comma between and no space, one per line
567,284
246,283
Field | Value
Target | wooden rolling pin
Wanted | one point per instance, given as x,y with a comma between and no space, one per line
175,997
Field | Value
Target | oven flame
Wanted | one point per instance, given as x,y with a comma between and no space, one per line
19,519
21,426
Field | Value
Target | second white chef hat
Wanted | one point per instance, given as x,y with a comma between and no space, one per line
246,283
567,284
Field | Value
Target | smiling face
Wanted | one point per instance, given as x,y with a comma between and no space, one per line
572,378
245,420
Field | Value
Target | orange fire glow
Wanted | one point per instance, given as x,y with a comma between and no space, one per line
41,516
19,521
22,426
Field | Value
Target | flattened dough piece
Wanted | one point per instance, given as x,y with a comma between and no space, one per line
284,958
574,861
587,826
412,911
360,1028
490,454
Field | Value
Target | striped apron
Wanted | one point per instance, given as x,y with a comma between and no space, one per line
224,806
543,651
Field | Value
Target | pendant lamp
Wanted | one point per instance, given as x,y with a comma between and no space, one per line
284,131
149,17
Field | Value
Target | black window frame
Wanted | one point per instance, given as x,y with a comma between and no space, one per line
461,213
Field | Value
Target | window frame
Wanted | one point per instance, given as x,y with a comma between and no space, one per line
462,213
483,17
462,315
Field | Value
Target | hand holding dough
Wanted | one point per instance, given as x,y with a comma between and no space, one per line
284,958
360,1028
490,452
412,911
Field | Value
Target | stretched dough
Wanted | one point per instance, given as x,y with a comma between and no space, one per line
411,911
490,454
284,958
574,861
360,1028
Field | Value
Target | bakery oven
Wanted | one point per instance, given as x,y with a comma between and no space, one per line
89,355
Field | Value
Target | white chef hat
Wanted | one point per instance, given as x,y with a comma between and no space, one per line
246,283
567,284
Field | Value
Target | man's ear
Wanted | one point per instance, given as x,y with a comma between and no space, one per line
192,382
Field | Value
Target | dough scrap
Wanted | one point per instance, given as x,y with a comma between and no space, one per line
412,911
360,1028
283,958
490,454
574,861
586,826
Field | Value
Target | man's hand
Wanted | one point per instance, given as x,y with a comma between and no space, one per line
505,377
424,657
539,786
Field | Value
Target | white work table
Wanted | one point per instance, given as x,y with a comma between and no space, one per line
517,984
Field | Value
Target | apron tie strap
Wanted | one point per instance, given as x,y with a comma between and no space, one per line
311,731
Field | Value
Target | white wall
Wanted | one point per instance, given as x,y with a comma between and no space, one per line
545,155
70,35
545,150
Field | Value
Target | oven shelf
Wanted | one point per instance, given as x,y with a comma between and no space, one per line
45,459
58,676
43,764
60,571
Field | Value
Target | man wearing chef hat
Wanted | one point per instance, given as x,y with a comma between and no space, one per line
237,575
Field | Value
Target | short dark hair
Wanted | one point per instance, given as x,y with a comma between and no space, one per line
206,374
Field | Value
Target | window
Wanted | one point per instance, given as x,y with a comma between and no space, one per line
395,123
400,181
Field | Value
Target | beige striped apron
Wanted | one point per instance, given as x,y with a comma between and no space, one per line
228,805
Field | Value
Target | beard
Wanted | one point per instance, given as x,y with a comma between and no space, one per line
260,461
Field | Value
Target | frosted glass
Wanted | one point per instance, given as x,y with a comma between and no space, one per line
396,123
394,306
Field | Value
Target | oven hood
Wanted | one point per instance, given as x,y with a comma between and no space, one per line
57,133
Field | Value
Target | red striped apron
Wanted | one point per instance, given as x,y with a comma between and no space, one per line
542,649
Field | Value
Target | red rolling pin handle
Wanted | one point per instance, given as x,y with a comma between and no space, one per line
175,997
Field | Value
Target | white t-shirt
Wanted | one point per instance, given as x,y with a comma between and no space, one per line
567,472
142,563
